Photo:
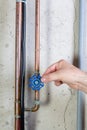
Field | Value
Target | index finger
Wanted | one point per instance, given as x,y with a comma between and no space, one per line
51,69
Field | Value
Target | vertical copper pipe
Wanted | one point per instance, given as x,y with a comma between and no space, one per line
20,65
37,46
37,35
37,53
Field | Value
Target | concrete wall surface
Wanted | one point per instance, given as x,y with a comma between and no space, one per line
58,38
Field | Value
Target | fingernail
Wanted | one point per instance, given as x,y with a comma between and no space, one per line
43,79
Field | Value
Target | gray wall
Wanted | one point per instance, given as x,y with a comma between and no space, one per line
59,20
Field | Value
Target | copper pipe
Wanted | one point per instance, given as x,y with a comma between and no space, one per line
36,106
19,65
37,53
37,36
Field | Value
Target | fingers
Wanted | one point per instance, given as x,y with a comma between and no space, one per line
51,69
51,77
52,73
56,66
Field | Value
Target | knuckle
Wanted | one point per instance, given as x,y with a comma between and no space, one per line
62,61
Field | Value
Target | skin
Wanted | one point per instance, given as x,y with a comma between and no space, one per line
64,72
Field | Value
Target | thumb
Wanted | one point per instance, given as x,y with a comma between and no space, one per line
50,77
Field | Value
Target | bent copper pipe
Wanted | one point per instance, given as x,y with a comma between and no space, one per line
20,64
37,53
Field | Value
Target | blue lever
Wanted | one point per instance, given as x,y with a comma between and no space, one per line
35,82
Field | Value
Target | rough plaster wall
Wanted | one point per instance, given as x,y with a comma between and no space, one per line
58,105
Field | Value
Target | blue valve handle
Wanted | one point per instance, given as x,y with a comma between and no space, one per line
35,82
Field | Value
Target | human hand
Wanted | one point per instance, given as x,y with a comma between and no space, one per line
64,72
